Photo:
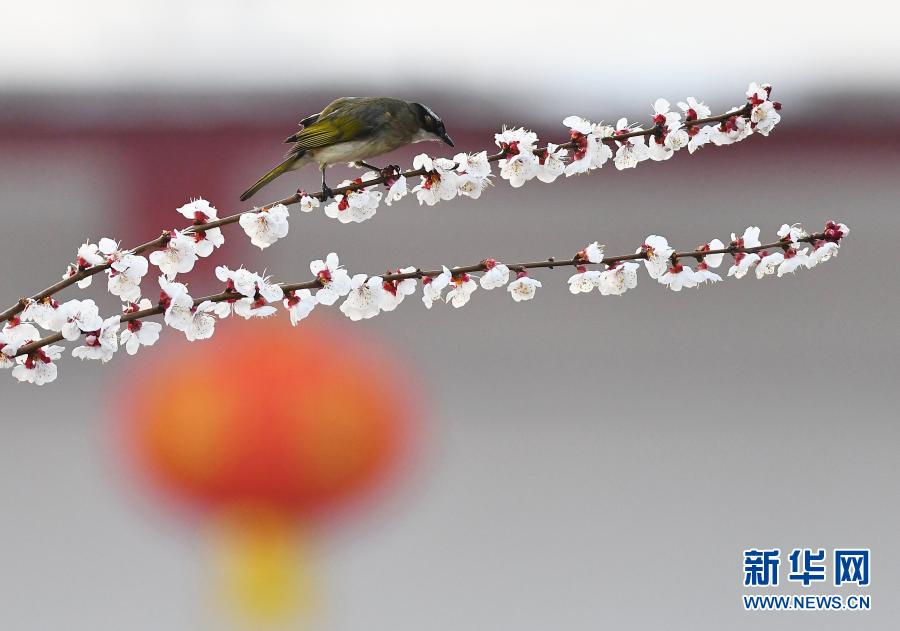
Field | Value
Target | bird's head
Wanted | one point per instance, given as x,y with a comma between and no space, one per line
431,127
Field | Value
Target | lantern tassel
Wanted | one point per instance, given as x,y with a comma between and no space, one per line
264,570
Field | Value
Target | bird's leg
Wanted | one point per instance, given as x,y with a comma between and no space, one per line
387,172
327,193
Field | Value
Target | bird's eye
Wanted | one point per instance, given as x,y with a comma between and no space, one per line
428,120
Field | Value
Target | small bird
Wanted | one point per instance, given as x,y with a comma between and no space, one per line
353,129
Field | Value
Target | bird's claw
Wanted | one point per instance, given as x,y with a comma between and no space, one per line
327,193
390,171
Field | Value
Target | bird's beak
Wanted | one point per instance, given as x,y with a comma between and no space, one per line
446,139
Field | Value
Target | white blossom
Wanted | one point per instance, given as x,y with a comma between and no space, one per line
397,191
461,289
201,211
792,233
206,241
757,92
250,308
518,169
518,138
694,109
101,344
750,238
658,252
699,136
258,292
713,260
593,253
769,263
631,151
433,286
395,291
765,116
198,210
177,303
440,181
365,297
334,279
202,323
677,139
177,257
519,163
743,263
672,136
308,203
125,273
471,185
89,255
551,163
703,274
7,352
496,275
590,152
266,226
354,206
584,281
793,259
822,251
299,304
74,317
474,164
523,288
15,334
249,284
241,280
139,333
41,312
732,130
678,276
38,367
617,279
764,113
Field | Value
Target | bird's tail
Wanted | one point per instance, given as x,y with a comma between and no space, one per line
288,165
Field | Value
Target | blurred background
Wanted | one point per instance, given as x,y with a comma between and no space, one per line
577,462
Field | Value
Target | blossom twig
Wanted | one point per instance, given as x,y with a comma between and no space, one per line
757,106
658,253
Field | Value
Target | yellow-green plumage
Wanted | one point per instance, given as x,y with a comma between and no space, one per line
352,129
284,167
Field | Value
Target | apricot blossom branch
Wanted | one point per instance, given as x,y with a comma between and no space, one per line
250,295
520,160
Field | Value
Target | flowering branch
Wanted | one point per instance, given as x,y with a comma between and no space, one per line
250,295
467,175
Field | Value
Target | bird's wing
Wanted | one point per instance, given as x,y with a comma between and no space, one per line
306,122
313,118
339,122
340,104
309,120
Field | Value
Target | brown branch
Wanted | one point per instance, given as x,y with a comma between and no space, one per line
295,198
549,263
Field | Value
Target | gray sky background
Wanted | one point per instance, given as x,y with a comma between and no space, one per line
526,56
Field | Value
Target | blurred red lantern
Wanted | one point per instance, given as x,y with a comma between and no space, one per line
267,426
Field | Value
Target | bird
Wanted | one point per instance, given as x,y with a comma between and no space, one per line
354,129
